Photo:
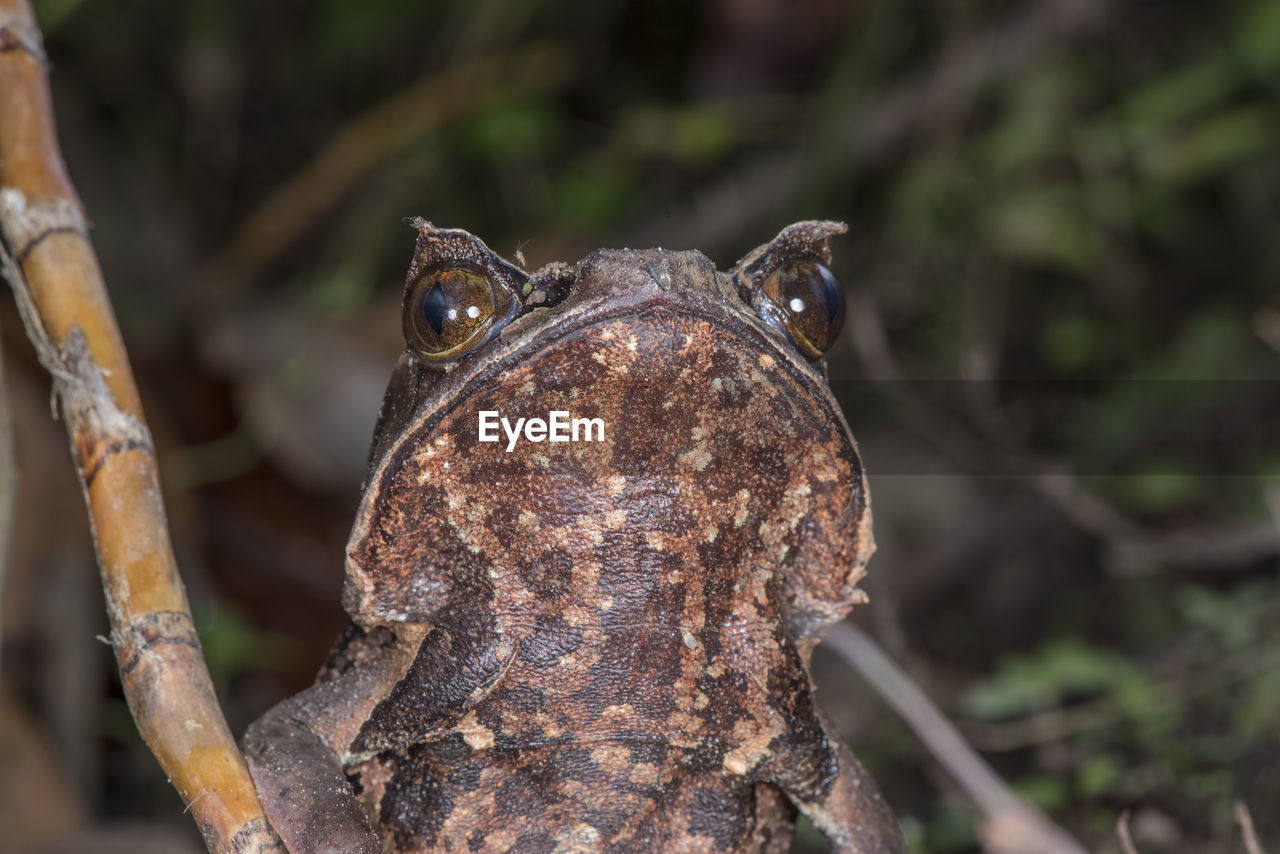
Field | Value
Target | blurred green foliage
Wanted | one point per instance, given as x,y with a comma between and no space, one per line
1063,670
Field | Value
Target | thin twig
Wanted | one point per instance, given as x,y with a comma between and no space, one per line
1010,824
1122,831
1245,820
62,298
8,488
1043,727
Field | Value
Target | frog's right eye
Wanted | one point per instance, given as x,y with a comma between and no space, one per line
450,312
804,299
788,283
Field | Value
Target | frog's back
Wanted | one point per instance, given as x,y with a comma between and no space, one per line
644,725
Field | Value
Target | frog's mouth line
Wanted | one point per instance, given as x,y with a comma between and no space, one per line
448,394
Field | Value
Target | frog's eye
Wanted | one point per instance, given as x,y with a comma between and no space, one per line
805,299
449,312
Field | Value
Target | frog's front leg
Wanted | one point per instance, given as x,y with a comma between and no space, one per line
301,783
830,786
295,751
382,690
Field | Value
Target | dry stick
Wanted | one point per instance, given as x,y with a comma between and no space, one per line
63,302
1010,825
395,123
8,489
1122,831
1245,820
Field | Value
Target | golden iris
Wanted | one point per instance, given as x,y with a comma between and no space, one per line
809,302
451,311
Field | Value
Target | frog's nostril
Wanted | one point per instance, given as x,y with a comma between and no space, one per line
549,286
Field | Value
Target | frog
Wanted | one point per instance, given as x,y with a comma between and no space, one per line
594,640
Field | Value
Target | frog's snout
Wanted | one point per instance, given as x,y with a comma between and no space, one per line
635,276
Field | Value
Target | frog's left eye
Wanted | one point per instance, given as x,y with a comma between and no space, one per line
805,299
450,312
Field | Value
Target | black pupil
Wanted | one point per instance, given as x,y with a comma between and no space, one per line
451,310
820,285
830,291
434,308
811,302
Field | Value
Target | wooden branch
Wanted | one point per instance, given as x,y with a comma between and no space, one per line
63,301
1010,825
1122,831
8,490
1245,820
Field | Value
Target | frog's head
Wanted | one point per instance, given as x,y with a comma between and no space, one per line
638,413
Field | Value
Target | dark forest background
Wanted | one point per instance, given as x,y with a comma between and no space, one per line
1061,358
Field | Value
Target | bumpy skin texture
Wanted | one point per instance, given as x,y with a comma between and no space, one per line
592,646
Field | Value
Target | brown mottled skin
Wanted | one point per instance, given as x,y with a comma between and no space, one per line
592,646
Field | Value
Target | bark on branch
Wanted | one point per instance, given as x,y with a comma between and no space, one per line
63,301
